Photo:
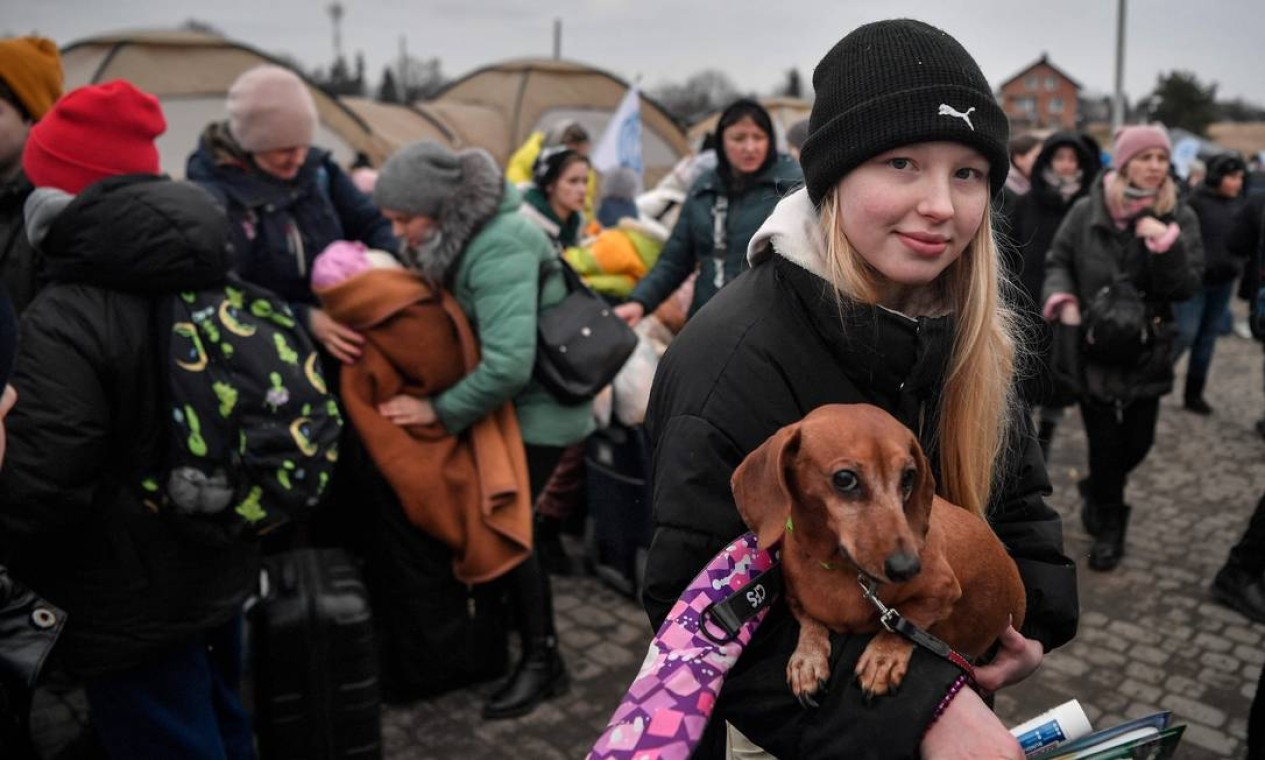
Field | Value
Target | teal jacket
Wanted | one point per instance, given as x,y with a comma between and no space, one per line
693,240
495,281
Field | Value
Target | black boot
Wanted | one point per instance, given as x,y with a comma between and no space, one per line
1194,398
1197,405
540,675
1108,548
1240,590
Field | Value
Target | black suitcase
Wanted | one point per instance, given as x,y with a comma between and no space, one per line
618,529
316,669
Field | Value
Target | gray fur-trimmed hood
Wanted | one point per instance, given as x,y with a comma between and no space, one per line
475,201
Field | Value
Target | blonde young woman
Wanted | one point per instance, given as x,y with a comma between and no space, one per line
879,283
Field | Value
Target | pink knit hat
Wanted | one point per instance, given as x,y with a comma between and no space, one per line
1130,141
270,108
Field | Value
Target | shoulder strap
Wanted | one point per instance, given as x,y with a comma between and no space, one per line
557,263
729,614
324,185
720,218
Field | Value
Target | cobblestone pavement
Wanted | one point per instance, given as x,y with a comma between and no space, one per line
1150,638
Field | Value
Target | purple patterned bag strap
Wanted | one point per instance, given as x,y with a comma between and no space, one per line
663,715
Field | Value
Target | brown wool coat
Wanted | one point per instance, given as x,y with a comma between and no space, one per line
469,490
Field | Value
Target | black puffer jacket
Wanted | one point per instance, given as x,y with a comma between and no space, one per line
1036,215
279,227
766,351
1032,219
1089,251
1216,217
20,263
88,421
1246,241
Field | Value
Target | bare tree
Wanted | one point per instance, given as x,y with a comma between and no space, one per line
701,94
422,79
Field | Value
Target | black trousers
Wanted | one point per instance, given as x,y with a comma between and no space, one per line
1120,436
531,598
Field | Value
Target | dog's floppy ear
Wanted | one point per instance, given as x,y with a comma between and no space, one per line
918,509
760,485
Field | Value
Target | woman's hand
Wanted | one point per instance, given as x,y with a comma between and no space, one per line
342,342
1149,227
1016,660
1070,313
968,730
407,410
630,312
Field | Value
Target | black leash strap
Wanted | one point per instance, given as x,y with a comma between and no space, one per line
894,622
720,621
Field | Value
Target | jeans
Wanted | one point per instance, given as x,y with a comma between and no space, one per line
183,703
1198,325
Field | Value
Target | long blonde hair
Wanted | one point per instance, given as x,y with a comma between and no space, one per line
978,401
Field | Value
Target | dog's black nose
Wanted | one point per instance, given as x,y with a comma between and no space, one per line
902,566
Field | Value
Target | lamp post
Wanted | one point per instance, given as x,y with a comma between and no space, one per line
1117,108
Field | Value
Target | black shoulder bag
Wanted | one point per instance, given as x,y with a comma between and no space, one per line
1118,327
580,343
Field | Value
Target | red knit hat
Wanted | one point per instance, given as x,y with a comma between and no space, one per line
94,132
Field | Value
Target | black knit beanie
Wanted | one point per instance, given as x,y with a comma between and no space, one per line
894,83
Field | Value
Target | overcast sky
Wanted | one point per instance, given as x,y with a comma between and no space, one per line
753,41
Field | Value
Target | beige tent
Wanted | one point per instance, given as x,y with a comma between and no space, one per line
784,112
398,125
498,107
191,72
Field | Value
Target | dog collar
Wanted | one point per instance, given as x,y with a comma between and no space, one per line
790,528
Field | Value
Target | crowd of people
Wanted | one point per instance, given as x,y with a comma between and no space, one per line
901,253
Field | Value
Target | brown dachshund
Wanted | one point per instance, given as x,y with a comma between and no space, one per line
849,493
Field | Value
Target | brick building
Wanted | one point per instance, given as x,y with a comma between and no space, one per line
1041,96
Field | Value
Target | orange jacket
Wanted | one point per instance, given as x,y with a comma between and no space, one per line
471,490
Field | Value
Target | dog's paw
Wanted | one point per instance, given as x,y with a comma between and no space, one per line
807,674
882,665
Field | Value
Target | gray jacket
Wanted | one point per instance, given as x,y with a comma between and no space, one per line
1089,251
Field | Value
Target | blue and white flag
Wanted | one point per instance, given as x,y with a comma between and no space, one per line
1185,151
621,142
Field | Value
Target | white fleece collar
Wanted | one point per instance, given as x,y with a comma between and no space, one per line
793,230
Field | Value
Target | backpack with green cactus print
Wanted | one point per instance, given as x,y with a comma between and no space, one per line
253,429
